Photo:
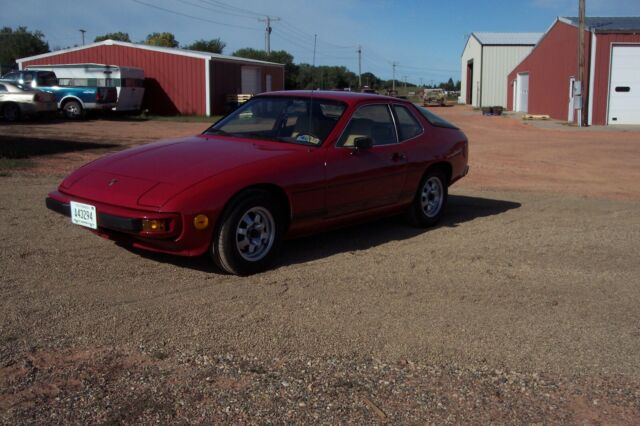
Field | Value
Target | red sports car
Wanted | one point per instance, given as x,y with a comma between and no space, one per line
284,164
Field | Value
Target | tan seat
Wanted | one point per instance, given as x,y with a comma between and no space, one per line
357,128
302,126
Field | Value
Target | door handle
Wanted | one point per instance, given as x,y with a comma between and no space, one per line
398,156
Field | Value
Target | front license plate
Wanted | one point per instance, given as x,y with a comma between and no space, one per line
84,215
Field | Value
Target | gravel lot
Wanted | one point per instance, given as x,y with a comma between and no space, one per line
521,308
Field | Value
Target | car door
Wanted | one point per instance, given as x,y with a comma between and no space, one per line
365,179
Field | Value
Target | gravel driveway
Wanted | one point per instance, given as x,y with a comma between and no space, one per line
522,307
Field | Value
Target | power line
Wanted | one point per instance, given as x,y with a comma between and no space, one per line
194,17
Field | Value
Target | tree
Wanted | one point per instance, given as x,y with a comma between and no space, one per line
277,56
161,39
215,45
119,36
19,43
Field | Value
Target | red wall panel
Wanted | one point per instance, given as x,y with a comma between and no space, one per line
555,60
550,66
174,84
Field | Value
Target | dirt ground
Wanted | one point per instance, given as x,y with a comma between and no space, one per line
522,307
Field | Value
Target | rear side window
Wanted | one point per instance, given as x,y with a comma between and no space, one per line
371,121
47,79
3,88
434,119
408,126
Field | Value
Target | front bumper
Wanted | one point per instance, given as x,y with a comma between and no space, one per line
124,226
105,221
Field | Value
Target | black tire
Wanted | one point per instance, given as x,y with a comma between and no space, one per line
72,110
11,112
421,215
226,247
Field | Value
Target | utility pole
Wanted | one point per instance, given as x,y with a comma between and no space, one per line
581,12
393,85
359,67
420,81
267,31
315,41
82,32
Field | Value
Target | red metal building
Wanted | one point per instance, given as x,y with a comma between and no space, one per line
177,81
541,83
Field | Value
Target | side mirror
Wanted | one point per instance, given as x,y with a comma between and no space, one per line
363,143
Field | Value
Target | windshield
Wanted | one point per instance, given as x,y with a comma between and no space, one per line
285,119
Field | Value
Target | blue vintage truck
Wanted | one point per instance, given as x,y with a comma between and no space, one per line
74,102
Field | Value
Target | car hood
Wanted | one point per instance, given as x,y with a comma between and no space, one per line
148,176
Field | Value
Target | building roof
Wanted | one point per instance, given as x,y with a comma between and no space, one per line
169,50
507,39
606,24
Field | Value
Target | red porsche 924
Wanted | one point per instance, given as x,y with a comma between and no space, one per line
283,165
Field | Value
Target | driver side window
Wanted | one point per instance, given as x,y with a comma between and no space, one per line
373,121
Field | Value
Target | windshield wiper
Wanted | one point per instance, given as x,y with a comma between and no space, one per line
219,132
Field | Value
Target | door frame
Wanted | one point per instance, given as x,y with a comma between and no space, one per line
519,83
571,112
611,46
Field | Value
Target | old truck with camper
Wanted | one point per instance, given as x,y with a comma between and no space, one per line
74,102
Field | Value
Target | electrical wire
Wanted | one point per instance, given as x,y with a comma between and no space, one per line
194,17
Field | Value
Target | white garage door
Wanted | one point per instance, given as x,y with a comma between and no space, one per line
250,80
624,93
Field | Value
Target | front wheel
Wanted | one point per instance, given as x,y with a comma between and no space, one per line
430,200
250,234
72,110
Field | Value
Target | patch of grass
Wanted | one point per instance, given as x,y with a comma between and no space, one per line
8,164
185,118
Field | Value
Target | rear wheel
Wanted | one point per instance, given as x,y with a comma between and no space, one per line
430,200
250,234
11,112
72,110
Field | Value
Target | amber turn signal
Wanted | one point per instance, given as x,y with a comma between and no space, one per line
200,222
154,225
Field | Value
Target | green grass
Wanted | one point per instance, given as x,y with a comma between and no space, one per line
184,118
8,164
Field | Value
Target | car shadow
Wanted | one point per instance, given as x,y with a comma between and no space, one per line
460,209
25,147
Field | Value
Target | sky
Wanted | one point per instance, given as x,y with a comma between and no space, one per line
425,38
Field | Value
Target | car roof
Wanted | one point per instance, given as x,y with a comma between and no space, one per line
348,97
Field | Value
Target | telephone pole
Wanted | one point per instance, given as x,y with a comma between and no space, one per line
267,31
581,12
359,67
315,41
82,32
393,85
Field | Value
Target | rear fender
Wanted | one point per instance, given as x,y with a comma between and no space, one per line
70,97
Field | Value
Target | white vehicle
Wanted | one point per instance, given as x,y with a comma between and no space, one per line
128,81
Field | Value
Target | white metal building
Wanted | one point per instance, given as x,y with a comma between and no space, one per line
486,61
